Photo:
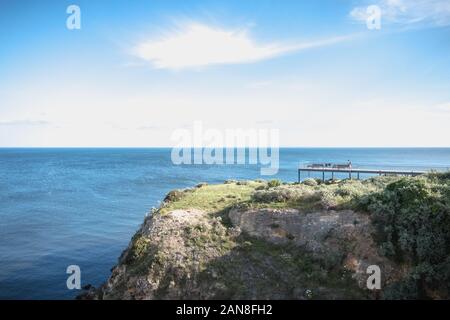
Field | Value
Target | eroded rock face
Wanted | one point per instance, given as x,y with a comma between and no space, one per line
190,254
345,234
163,254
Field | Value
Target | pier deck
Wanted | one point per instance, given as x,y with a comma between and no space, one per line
351,171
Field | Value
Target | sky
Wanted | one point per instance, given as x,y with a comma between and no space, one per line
137,71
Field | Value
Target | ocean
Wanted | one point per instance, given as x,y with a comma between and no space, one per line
62,207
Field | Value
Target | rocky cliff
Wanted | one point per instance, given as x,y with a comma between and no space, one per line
268,240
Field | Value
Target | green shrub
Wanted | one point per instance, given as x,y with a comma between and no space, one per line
440,176
274,183
327,199
412,219
275,195
350,189
261,187
310,182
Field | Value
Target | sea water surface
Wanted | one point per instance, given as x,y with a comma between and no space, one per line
61,207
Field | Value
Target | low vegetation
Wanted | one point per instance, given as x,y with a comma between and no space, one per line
411,216
210,198
411,219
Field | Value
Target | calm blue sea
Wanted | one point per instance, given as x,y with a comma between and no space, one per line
60,207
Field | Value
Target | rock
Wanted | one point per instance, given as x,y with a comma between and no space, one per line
89,293
344,233
202,184
174,195
181,255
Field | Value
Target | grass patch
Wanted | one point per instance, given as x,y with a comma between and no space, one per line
213,198
307,196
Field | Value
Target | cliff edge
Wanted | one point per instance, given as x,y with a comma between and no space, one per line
313,240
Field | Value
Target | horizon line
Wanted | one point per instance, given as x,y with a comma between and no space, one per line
223,147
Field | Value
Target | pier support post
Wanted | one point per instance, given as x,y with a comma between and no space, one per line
323,176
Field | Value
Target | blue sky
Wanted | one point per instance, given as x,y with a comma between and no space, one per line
138,70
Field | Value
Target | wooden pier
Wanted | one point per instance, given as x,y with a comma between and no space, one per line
351,171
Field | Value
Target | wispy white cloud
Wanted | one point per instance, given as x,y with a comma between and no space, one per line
442,108
197,45
408,12
24,123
